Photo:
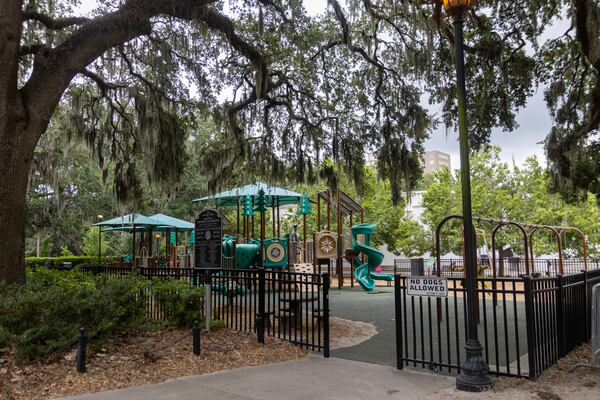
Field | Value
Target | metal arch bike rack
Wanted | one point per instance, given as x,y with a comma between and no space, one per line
556,233
527,240
500,225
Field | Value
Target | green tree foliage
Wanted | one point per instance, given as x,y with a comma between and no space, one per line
33,317
412,239
91,241
569,66
516,194
135,76
68,192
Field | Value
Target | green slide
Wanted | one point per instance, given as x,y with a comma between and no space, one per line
365,274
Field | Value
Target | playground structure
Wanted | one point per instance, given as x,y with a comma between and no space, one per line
245,249
146,234
245,246
367,273
326,249
331,246
527,231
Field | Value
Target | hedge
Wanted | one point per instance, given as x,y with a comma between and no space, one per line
45,314
77,261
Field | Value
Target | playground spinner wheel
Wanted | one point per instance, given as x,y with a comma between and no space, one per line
275,252
326,245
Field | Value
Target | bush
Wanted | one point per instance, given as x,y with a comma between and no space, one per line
46,313
182,302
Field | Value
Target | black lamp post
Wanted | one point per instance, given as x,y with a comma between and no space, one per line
474,374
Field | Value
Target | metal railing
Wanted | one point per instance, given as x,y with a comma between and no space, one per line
287,305
431,332
511,267
525,324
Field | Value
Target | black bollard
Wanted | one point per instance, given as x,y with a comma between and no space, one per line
196,338
260,329
81,350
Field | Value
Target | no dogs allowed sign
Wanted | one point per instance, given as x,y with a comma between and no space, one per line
427,286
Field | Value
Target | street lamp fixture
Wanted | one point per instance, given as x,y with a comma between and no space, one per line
474,372
457,7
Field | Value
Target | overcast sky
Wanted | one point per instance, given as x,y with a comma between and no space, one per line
524,142
534,120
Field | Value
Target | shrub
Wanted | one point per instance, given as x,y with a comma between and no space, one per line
77,261
182,302
46,313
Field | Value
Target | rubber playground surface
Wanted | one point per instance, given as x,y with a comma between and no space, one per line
377,307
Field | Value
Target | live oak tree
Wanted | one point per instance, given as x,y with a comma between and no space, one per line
136,75
570,67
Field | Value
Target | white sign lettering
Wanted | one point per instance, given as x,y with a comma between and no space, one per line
427,286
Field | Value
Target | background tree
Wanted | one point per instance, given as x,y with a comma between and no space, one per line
136,74
517,194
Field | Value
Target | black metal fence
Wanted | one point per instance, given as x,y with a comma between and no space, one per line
525,325
508,267
558,315
287,305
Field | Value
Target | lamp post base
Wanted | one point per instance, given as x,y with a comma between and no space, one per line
474,376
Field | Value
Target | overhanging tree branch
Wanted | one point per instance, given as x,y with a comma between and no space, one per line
51,23
102,84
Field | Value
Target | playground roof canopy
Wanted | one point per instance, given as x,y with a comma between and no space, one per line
347,204
172,222
157,222
129,220
275,195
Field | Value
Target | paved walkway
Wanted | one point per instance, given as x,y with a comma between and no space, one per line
311,378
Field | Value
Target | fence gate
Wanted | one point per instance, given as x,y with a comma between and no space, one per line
524,324
431,332
287,305
595,333
595,360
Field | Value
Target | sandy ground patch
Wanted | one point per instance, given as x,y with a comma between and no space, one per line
347,333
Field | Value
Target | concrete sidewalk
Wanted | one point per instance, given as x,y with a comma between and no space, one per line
311,378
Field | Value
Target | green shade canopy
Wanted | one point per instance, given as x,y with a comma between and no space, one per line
129,220
157,222
273,195
168,222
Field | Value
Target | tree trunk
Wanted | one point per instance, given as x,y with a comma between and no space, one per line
14,147
38,242
14,171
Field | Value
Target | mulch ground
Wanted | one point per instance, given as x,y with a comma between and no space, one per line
136,360
557,382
